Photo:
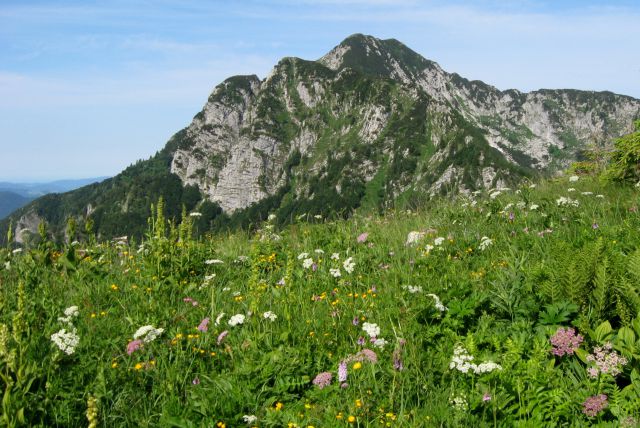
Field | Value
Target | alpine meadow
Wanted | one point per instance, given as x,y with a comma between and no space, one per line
364,240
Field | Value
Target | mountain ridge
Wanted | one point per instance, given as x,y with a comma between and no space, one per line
368,125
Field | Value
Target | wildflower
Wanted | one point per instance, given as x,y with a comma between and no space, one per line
342,371
196,381
249,419
600,196
438,241
486,397
348,265
357,365
371,329
495,194
414,237
413,289
362,238
204,325
571,189
219,318
307,263
351,419
461,360
303,256
335,272
66,341
573,178
335,256
236,320
487,367
318,251
365,355
70,313
380,343
485,243
133,346
190,300
361,341
565,341
567,202
534,207
269,316
594,405
221,337
587,193
279,406
323,379
459,403
438,304
606,360
397,360
195,214
148,333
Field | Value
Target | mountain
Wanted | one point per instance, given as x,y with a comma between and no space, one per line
10,201
370,125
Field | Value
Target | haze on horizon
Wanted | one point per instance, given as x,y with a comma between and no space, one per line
88,88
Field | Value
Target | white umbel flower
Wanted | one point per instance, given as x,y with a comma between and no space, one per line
148,333
485,242
438,304
348,265
371,329
66,341
237,319
269,316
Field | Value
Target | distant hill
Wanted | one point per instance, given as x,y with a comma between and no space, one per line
10,201
34,190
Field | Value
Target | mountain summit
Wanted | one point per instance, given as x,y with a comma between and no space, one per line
369,125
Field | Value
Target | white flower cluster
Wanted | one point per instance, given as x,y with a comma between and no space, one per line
438,304
534,207
237,319
307,263
462,362
485,242
69,314
66,341
414,237
250,419
413,289
438,241
567,202
147,333
335,256
269,316
213,262
495,194
379,343
573,178
371,329
335,272
348,265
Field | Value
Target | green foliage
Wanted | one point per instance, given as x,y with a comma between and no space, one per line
624,165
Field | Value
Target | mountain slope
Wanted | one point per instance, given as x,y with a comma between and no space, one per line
370,124
10,201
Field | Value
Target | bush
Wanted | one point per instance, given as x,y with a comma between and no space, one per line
624,165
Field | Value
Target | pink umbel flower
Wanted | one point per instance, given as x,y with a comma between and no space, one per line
204,325
133,346
323,379
565,341
362,238
594,405
221,336
606,361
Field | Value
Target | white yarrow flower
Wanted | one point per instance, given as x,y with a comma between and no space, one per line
148,333
438,304
485,243
335,256
269,316
303,256
413,289
213,262
250,419
371,329
66,341
574,178
438,241
379,343
237,319
307,263
335,272
414,237
348,265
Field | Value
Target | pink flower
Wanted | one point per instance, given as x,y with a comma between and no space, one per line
362,238
565,341
221,336
486,397
190,300
133,346
204,325
342,371
196,381
323,379
594,405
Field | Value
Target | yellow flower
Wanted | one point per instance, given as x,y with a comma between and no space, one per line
357,365
114,365
93,315
114,287
358,403
351,419
279,406
138,366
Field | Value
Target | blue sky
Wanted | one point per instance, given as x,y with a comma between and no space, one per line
88,87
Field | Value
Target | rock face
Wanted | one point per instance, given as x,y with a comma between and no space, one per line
369,124
374,95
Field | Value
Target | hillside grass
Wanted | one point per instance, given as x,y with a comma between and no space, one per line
494,276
